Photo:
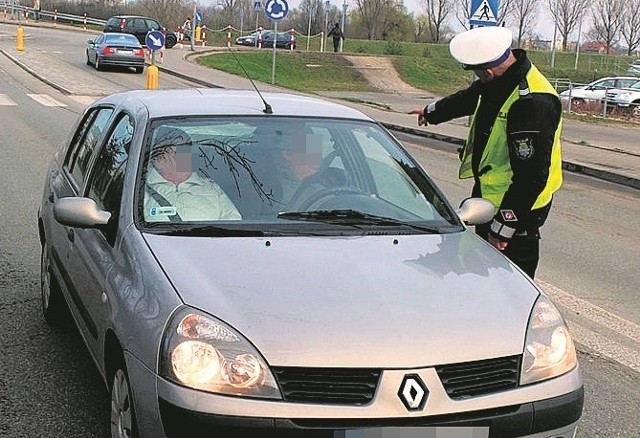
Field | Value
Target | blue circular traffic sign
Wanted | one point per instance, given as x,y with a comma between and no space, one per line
155,40
276,10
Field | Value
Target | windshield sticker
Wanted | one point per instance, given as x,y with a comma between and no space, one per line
162,211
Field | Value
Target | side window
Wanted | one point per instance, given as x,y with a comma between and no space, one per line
85,141
138,24
605,84
107,177
153,25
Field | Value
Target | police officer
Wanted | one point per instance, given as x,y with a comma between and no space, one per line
513,148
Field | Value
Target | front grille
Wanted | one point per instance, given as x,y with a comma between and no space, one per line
357,386
332,386
471,379
610,96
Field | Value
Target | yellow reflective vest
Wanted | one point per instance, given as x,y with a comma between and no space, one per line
495,167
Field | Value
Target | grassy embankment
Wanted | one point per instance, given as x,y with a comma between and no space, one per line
426,66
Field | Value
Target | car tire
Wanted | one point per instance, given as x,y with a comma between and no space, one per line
88,60
54,307
139,69
96,63
123,416
635,111
170,41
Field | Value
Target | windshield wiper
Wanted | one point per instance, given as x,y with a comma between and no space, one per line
354,218
209,231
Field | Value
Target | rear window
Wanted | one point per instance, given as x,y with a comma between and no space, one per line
122,39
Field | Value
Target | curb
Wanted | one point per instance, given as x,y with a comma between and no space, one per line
34,74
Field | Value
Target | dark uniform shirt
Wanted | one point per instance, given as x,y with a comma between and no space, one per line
534,118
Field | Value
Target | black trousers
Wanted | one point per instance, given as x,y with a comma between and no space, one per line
336,44
523,248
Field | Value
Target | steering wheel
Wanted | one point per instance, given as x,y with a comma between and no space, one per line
327,192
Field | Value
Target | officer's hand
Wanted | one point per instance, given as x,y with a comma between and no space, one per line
420,113
500,245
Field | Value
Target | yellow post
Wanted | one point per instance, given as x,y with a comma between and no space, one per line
152,77
198,30
20,39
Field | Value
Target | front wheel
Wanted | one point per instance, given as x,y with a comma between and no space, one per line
635,109
88,60
170,41
54,307
123,417
96,63
139,69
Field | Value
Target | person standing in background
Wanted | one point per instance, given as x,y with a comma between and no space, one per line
36,9
337,35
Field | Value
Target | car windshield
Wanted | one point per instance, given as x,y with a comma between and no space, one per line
122,38
263,176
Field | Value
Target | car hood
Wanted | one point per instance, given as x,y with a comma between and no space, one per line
375,301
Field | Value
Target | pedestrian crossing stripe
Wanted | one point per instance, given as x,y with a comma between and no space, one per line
46,100
84,100
5,101
483,14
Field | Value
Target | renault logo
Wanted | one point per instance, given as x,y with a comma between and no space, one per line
413,392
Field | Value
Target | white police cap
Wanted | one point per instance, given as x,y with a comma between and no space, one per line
482,47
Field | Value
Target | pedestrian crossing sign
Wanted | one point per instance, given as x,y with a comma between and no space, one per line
483,13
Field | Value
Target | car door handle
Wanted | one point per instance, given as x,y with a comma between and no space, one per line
71,234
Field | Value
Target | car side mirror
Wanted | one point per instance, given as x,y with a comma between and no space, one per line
475,211
80,212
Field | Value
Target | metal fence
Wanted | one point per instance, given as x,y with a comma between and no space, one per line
14,11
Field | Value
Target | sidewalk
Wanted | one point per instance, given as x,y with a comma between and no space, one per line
604,151
607,152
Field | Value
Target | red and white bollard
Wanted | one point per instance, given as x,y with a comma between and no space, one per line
84,23
260,37
5,11
292,32
203,35
55,17
229,36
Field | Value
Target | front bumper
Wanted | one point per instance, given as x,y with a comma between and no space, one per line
553,417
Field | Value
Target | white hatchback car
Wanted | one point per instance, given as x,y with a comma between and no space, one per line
579,97
279,266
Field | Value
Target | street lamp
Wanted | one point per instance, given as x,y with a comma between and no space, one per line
555,33
312,12
327,5
344,17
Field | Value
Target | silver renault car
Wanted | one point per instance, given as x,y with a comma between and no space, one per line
280,265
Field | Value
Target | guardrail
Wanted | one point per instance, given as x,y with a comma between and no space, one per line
20,13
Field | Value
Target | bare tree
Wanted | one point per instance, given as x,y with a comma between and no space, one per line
524,13
370,12
607,20
630,29
566,15
437,14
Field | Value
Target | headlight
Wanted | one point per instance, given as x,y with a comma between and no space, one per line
548,350
201,352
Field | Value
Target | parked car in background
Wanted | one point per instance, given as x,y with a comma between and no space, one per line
140,27
115,50
627,98
283,40
634,68
594,92
348,298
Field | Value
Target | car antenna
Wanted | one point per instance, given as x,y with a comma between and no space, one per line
267,108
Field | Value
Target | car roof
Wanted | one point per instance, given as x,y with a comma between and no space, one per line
212,101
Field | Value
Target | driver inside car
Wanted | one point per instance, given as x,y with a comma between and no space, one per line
302,173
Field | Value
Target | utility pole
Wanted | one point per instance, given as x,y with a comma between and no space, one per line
327,4
344,17
555,34
312,12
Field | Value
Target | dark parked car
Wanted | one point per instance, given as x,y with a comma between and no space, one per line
283,41
139,26
345,297
116,50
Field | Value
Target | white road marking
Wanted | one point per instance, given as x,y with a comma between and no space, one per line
84,100
45,99
5,101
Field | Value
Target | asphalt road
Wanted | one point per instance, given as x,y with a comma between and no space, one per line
49,387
